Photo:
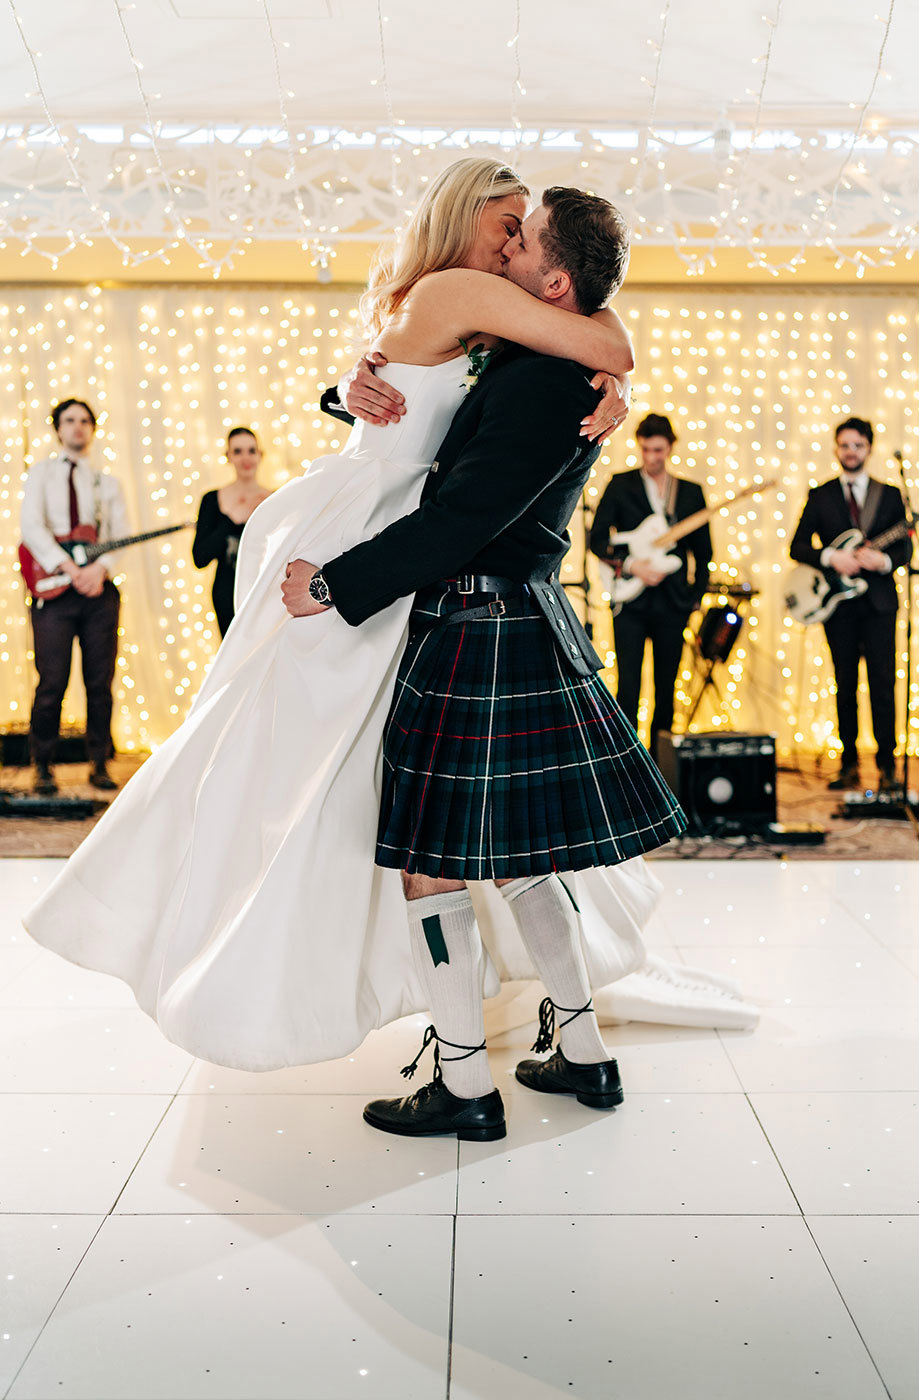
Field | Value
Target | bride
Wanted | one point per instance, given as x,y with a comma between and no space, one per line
232,883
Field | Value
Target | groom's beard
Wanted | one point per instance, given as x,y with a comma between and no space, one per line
531,283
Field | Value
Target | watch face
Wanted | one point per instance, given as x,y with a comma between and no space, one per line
319,589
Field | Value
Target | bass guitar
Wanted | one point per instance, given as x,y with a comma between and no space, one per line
83,547
813,595
653,541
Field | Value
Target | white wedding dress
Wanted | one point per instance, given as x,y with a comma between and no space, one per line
232,883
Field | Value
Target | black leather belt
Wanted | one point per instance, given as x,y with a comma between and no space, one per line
510,600
486,583
514,607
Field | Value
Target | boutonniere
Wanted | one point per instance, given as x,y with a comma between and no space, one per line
479,359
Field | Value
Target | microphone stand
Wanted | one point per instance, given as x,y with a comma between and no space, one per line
911,572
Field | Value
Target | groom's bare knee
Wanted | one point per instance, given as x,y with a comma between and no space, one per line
420,886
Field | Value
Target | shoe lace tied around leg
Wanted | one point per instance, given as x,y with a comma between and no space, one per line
429,1035
547,1010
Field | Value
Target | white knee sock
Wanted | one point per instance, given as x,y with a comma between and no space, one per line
547,919
448,957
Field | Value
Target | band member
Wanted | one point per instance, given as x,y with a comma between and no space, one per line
221,518
661,611
61,493
864,626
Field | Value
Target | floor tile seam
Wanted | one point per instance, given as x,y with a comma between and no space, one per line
451,1302
88,1093
628,1214
264,1094
775,1155
159,1123
727,1055
56,1304
846,1090
350,1214
466,1215
840,901
842,1298
317,1215
49,1214
506,1091
36,957
796,947
861,1214
902,961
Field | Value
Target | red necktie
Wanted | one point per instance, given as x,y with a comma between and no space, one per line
853,507
74,506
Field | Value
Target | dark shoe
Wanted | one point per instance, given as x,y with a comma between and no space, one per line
597,1086
888,781
433,1110
45,784
845,779
100,778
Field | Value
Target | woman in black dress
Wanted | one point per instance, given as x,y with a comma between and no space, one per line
221,518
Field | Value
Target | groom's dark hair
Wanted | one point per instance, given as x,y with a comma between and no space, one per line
587,237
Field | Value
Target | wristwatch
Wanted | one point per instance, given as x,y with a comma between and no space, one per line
319,590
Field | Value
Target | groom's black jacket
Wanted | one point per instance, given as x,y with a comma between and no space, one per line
505,483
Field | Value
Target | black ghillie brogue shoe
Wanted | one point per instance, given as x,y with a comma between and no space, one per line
596,1086
433,1111
846,779
45,783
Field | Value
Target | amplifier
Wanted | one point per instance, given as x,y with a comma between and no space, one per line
14,747
725,783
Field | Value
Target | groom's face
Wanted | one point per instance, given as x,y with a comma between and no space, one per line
524,255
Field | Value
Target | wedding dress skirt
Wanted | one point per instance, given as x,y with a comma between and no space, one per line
232,883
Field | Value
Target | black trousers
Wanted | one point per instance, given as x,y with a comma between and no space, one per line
857,630
652,620
94,623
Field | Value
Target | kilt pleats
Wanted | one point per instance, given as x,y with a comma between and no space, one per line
500,762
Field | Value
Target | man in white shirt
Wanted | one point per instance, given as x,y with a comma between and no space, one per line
863,626
61,493
660,613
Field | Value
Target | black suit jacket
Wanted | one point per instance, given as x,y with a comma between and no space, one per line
624,506
826,515
505,483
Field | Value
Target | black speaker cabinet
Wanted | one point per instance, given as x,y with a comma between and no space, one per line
14,747
725,782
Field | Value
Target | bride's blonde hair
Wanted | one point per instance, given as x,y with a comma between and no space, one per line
440,233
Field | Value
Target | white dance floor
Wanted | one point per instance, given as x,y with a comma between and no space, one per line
746,1225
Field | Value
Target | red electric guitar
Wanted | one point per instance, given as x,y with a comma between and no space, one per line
83,546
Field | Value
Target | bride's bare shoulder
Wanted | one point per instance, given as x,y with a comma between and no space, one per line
451,284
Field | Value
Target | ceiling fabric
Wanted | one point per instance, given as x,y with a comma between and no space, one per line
779,125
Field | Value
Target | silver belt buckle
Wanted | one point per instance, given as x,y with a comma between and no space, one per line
463,581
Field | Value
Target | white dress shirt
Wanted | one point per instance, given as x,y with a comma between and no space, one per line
657,490
858,482
46,508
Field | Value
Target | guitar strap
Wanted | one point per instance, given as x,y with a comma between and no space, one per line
872,504
670,503
97,504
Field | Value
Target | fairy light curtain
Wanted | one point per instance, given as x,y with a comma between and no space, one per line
754,381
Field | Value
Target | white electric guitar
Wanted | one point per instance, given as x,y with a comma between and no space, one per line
813,595
653,541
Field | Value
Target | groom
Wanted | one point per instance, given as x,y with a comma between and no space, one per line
505,758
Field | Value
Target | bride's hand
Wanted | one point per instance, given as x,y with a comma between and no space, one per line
612,410
367,397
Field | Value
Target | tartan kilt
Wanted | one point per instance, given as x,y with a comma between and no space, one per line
500,762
